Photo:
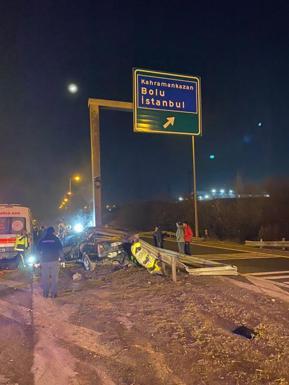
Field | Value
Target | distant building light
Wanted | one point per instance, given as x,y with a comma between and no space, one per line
267,195
213,191
260,124
212,156
200,197
207,196
231,192
180,199
222,191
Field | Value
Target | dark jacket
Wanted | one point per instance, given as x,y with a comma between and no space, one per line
50,248
158,238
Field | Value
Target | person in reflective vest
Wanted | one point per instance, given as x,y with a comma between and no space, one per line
21,245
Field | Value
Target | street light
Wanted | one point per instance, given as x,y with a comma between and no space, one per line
75,178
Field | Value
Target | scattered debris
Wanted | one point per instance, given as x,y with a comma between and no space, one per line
77,277
245,332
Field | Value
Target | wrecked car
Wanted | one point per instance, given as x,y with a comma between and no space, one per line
97,246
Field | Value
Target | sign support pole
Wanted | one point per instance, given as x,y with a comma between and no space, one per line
95,164
95,106
195,189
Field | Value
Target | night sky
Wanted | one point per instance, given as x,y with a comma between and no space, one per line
240,51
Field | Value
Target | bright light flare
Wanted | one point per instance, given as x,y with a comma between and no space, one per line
72,88
31,260
77,178
78,228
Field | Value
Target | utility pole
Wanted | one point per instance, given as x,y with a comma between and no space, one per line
195,188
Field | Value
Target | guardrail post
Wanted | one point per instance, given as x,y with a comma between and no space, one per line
283,240
164,270
174,268
261,240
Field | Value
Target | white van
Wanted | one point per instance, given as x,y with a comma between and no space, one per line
13,219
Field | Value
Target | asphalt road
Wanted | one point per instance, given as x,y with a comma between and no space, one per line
196,249
247,260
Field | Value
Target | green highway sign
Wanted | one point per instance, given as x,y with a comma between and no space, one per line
166,103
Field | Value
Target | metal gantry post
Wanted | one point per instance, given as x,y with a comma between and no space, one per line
94,112
95,163
95,105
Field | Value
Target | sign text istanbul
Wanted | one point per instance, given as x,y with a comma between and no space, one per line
166,103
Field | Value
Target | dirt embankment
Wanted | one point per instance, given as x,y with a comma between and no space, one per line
129,328
151,331
16,329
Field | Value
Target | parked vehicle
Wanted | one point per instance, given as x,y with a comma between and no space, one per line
96,246
13,220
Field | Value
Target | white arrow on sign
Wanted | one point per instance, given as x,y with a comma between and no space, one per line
170,121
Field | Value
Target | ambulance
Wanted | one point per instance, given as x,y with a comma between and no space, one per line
13,219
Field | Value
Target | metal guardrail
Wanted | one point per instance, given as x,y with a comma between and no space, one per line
190,264
282,244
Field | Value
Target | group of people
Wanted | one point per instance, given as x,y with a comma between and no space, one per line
184,236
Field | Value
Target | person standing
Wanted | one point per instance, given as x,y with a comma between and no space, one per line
180,236
158,237
51,251
21,245
188,234
41,233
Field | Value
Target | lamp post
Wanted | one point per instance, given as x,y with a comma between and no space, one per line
195,189
75,178
64,203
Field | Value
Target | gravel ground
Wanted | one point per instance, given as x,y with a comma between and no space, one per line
126,327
